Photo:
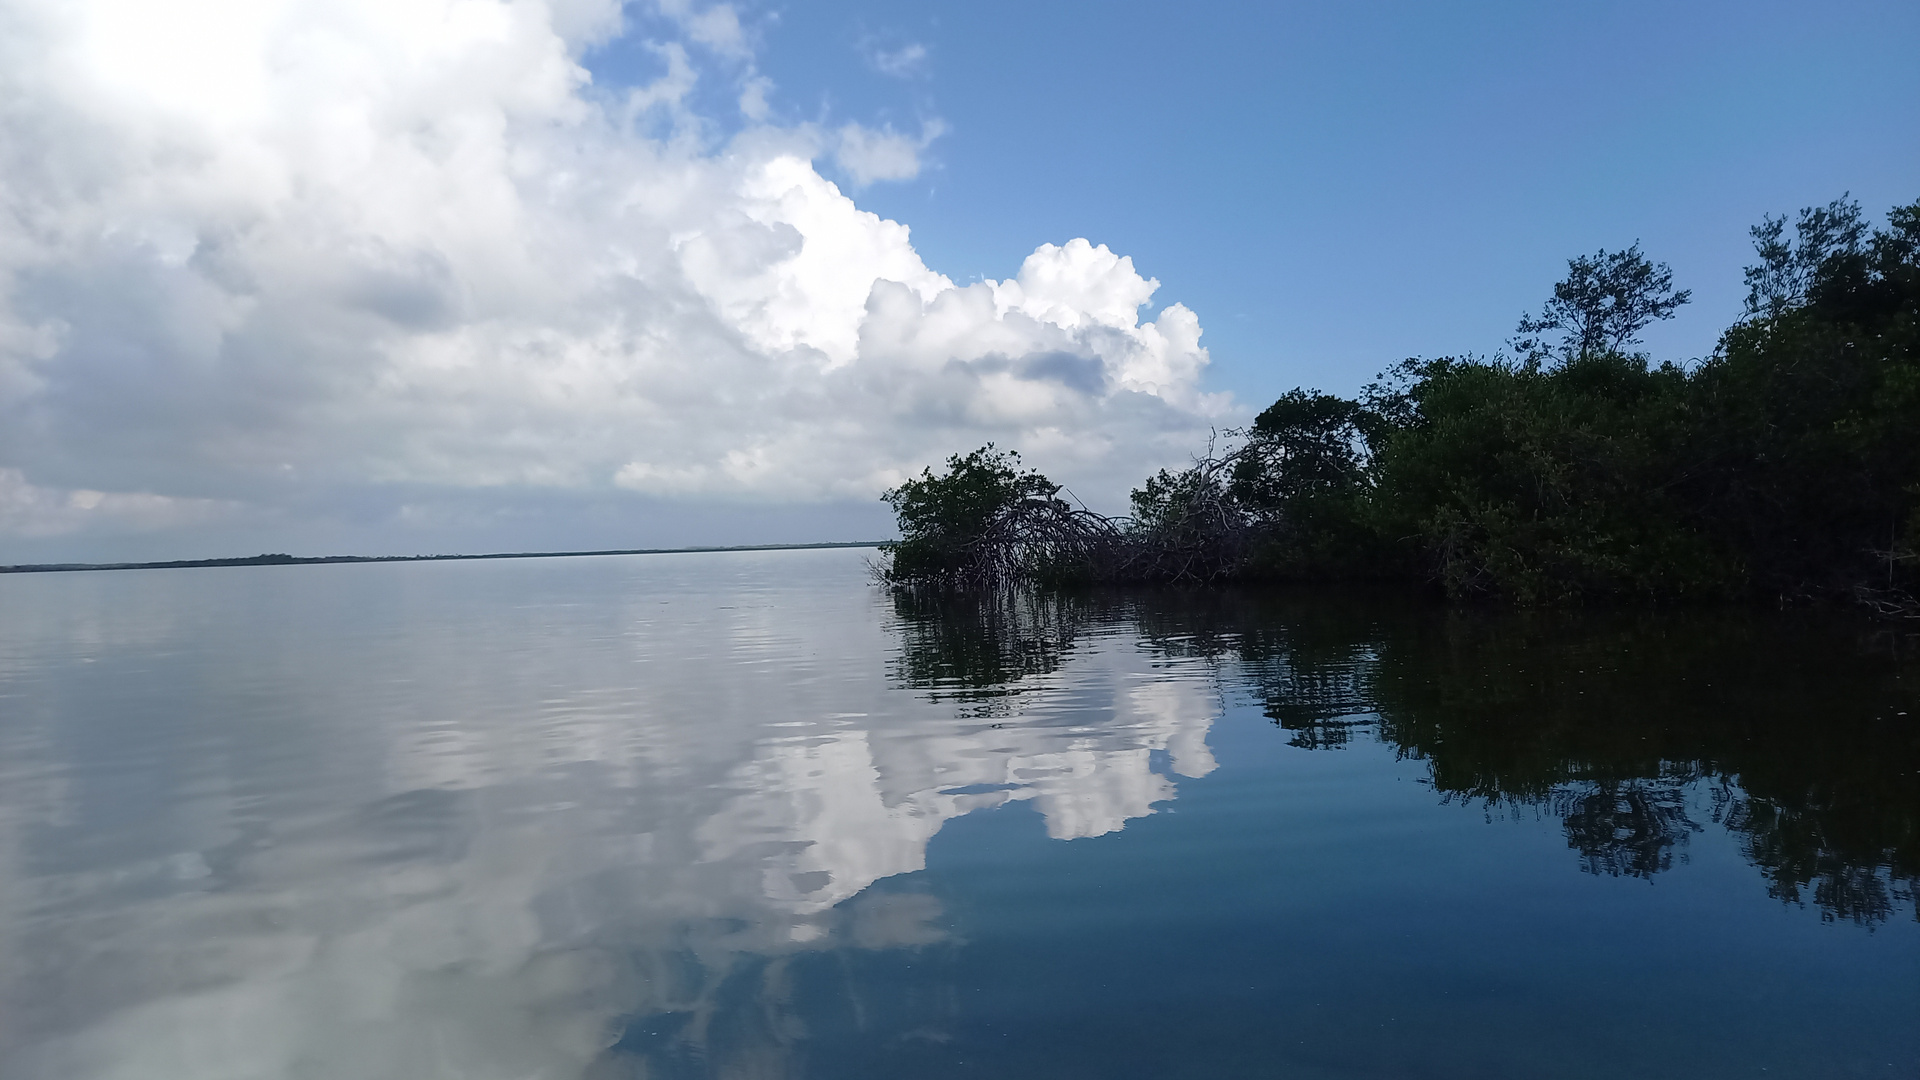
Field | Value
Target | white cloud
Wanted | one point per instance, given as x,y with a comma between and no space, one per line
868,155
345,259
753,98
904,62
717,27
670,90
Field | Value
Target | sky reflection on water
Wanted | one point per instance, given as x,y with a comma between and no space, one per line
743,815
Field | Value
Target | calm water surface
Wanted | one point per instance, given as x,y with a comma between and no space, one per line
743,815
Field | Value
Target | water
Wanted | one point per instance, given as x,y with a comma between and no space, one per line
743,815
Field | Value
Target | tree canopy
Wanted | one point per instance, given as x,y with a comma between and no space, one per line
1787,464
1601,306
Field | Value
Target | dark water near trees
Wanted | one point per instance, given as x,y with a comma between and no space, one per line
742,815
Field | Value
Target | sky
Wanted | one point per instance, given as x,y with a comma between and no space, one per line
428,276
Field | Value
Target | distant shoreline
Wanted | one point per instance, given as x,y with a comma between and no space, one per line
295,560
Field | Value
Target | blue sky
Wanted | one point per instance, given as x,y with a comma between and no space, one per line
465,275
1333,187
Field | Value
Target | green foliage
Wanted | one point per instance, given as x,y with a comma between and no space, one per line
1787,464
986,523
1306,446
945,519
1304,476
1541,486
959,506
1807,455
1187,527
1789,268
1162,502
1601,307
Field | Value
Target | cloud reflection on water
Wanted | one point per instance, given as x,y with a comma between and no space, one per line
663,816
418,830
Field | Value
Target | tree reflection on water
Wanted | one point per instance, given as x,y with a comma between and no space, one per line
1794,732
983,646
600,820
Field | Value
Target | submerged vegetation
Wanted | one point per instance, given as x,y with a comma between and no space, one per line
1569,467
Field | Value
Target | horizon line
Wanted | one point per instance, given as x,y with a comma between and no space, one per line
310,560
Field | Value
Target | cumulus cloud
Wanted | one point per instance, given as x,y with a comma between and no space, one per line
356,260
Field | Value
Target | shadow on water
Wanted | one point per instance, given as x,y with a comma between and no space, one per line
1798,729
